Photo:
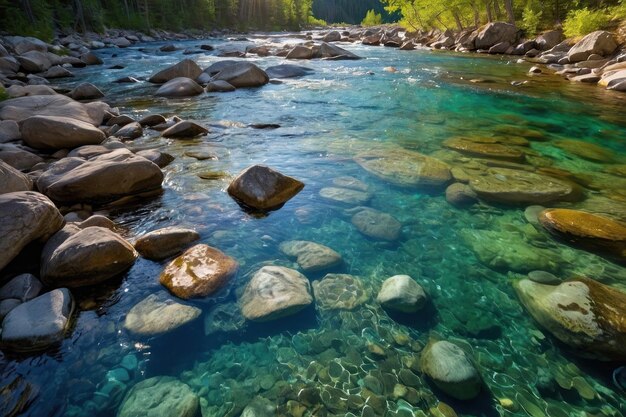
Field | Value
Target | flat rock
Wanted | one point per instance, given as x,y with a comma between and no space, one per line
199,272
38,323
275,292
55,132
402,293
21,108
509,186
376,224
179,87
186,68
242,75
185,129
339,292
146,318
160,396
345,195
262,188
485,150
287,71
451,370
588,231
582,313
405,168
586,150
12,180
163,243
80,257
25,216
311,256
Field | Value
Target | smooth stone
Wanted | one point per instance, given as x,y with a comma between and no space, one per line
345,195
76,257
86,91
121,120
156,315
242,75
130,131
34,61
98,179
405,168
582,313
599,42
54,132
223,318
588,231
339,292
129,362
334,52
185,129
376,224
9,131
495,33
299,52
531,214
18,158
23,287
88,151
90,58
161,396
216,67
275,292
7,305
219,86
98,220
351,183
260,187
12,180
199,272
25,216
160,159
485,150
117,374
163,243
311,256
38,323
152,120
22,108
56,71
287,71
460,195
402,293
544,277
179,87
451,370
186,68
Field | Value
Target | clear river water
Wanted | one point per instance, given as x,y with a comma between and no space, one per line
321,362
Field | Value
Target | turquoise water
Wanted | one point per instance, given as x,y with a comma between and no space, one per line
322,360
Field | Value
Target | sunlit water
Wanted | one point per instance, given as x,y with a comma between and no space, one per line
326,118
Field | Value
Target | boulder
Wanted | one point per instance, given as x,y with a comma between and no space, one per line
185,129
146,318
76,257
30,90
274,292
219,86
129,131
199,272
38,323
101,179
332,36
185,68
242,75
329,51
586,150
21,45
21,108
612,78
56,71
90,58
56,132
160,396
160,159
300,52
9,131
460,195
34,61
509,186
260,187
9,65
18,158
549,39
25,216
311,256
287,71
588,231
163,243
12,180
23,287
376,224
86,91
599,42
345,195
500,48
582,313
152,120
218,66
451,370
494,33
405,168
402,293
170,47
179,87
339,292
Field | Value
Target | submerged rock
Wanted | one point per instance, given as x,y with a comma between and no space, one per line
38,323
588,231
485,150
339,292
262,188
460,195
586,150
402,293
223,318
376,224
451,370
160,396
582,313
53,132
311,256
345,195
199,272
287,71
163,243
185,129
274,292
156,315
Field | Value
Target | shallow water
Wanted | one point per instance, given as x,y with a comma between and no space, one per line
326,118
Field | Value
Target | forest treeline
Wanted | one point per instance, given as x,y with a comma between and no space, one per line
42,17
350,11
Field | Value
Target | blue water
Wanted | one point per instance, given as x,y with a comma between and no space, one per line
326,118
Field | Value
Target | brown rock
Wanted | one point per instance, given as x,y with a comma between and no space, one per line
185,68
53,132
262,188
586,150
485,150
163,243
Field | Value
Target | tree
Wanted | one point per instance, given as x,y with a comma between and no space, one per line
372,18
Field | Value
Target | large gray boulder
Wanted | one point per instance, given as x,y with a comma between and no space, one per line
76,257
274,292
185,129
329,51
12,180
243,74
21,45
599,42
185,68
160,396
21,108
287,71
54,132
549,39
146,317
262,188
402,293
18,158
34,61
86,91
38,323
311,256
9,131
23,287
494,33
179,87
25,216
100,179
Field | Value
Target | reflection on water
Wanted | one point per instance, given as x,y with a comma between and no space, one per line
364,360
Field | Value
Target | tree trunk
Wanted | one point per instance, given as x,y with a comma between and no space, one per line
496,9
508,4
80,15
457,19
488,8
28,10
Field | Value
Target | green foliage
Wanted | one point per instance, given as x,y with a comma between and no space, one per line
349,11
583,21
312,21
372,18
3,94
531,19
